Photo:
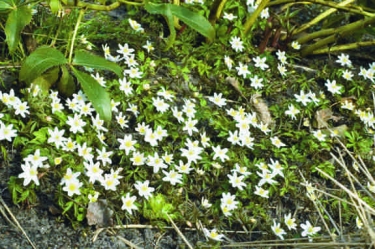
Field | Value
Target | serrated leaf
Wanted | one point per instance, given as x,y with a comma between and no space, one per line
96,94
40,136
17,19
39,61
194,20
83,58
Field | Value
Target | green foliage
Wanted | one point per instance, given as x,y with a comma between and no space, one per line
83,58
96,94
192,19
184,79
158,208
46,58
18,17
39,62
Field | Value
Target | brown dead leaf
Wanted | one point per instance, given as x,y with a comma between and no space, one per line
261,109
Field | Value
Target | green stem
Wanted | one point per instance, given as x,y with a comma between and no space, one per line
81,13
350,9
103,7
339,33
251,20
216,10
320,17
324,32
344,47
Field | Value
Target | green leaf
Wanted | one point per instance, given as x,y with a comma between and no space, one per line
55,6
96,94
17,19
40,136
39,61
165,10
83,58
66,85
6,6
194,20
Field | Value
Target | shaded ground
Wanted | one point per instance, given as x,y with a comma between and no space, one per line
46,230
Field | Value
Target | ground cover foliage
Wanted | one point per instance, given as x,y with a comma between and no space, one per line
132,116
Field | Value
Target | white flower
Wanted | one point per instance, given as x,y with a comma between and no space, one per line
256,82
278,230
277,142
36,159
99,79
156,162
30,173
133,73
213,234
148,46
303,98
319,135
359,223
234,137
93,171
104,156
160,104
296,45
266,177
229,16
290,222
128,203
56,137
85,152
125,86
121,120
184,167
143,188
172,176
110,182
229,201
218,100
333,87
242,70
281,56
348,75
309,230
73,187
237,181
76,124
228,61
136,26
206,203
261,192
127,144
21,108
220,153
236,44
265,13
260,62
292,111
190,126
7,132
344,60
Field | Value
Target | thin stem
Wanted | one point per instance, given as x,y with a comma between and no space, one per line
81,13
350,9
251,20
319,17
